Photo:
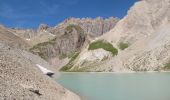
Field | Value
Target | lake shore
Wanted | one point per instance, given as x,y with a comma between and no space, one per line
123,72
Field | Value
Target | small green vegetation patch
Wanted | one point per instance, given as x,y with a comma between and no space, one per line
104,45
123,45
43,44
167,66
70,28
38,48
70,63
62,56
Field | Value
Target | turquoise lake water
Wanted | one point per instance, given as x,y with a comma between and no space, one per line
113,86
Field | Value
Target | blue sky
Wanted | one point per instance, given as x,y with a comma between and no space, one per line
31,13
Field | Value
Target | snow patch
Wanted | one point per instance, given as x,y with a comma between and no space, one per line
44,70
28,39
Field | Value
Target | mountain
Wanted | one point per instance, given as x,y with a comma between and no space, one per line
139,42
58,44
94,27
33,37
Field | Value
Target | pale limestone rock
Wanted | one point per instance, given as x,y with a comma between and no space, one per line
146,29
92,56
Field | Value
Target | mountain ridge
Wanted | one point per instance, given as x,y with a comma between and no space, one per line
145,31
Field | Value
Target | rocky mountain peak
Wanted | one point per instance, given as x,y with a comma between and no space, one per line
144,31
42,27
95,27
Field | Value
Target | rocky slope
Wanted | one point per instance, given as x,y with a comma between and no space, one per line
8,37
33,37
144,32
20,78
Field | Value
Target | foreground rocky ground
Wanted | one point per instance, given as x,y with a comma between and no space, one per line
20,79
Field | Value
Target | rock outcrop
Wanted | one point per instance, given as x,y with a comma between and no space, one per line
145,30
71,40
94,27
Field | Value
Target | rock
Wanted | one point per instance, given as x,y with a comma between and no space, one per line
24,33
8,37
42,27
20,79
71,36
145,29
64,39
71,41
93,27
91,59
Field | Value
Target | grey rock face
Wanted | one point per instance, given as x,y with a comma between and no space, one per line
93,27
71,41
42,27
